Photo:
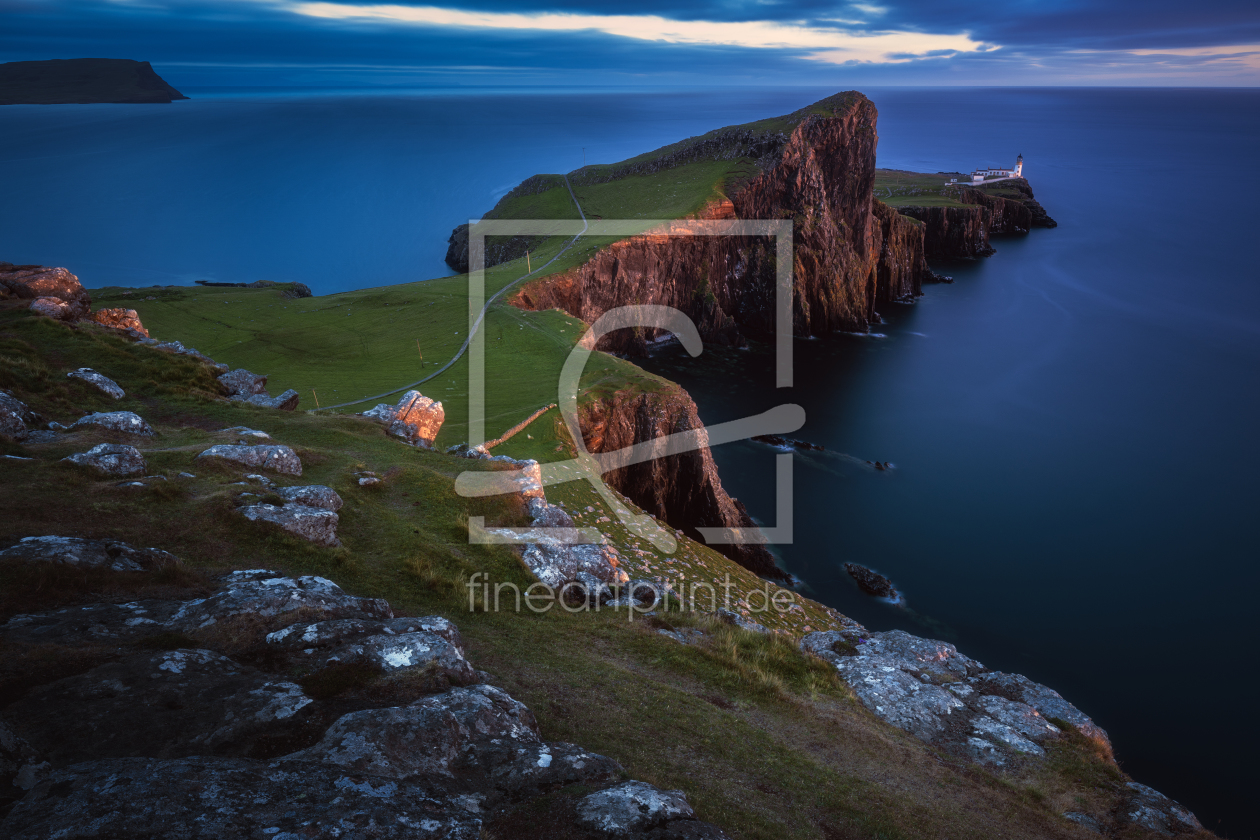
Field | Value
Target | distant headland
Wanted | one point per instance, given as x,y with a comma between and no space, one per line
81,81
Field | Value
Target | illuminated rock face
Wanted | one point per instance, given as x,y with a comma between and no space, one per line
31,282
127,320
416,419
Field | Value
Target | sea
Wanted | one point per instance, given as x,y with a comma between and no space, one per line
1070,424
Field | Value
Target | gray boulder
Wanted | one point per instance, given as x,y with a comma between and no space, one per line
180,349
1150,809
158,705
267,594
1048,702
478,744
431,644
310,523
89,554
127,422
21,766
102,383
736,620
288,401
15,417
51,307
312,495
416,419
337,632
91,623
111,459
215,798
246,431
241,382
274,457
632,808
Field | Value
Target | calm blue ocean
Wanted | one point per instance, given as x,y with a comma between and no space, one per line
1072,421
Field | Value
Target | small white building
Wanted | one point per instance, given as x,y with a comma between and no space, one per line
985,174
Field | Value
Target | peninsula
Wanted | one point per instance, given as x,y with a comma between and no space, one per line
83,81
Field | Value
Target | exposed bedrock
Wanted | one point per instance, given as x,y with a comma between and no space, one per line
849,251
683,490
952,233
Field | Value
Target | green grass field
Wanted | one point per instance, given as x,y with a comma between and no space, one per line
898,188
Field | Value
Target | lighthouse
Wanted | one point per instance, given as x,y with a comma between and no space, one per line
1019,167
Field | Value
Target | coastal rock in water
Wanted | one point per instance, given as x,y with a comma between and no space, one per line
310,523
51,307
275,457
14,417
872,582
89,554
631,808
102,383
206,798
160,705
31,282
266,594
111,459
241,382
127,320
127,422
312,495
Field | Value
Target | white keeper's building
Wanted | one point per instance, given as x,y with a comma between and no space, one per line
984,174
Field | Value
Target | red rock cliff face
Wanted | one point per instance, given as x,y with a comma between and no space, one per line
849,251
953,233
683,490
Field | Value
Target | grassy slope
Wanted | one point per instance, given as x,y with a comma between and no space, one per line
767,743
898,188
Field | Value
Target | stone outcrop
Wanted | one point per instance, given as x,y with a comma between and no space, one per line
125,422
53,308
111,459
417,419
312,495
102,383
15,418
89,554
127,320
242,383
684,489
31,282
310,523
275,457
288,401
941,696
183,743
179,349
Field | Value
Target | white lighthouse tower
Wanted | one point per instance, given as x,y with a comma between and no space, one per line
1019,167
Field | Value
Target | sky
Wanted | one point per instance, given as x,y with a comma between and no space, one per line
666,43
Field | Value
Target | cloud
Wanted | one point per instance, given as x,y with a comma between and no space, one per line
826,44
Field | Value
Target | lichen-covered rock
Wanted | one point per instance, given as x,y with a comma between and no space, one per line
274,457
36,281
157,705
89,554
416,419
127,422
102,383
1151,810
427,651
14,418
51,307
1048,702
266,594
21,766
631,808
310,523
215,798
288,401
556,562
241,382
337,632
111,459
475,743
246,431
127,320
432,644
737,620
312,495
92,623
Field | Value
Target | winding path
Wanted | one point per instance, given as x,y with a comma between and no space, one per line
481,316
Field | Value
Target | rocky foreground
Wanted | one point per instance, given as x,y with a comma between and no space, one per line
170,737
